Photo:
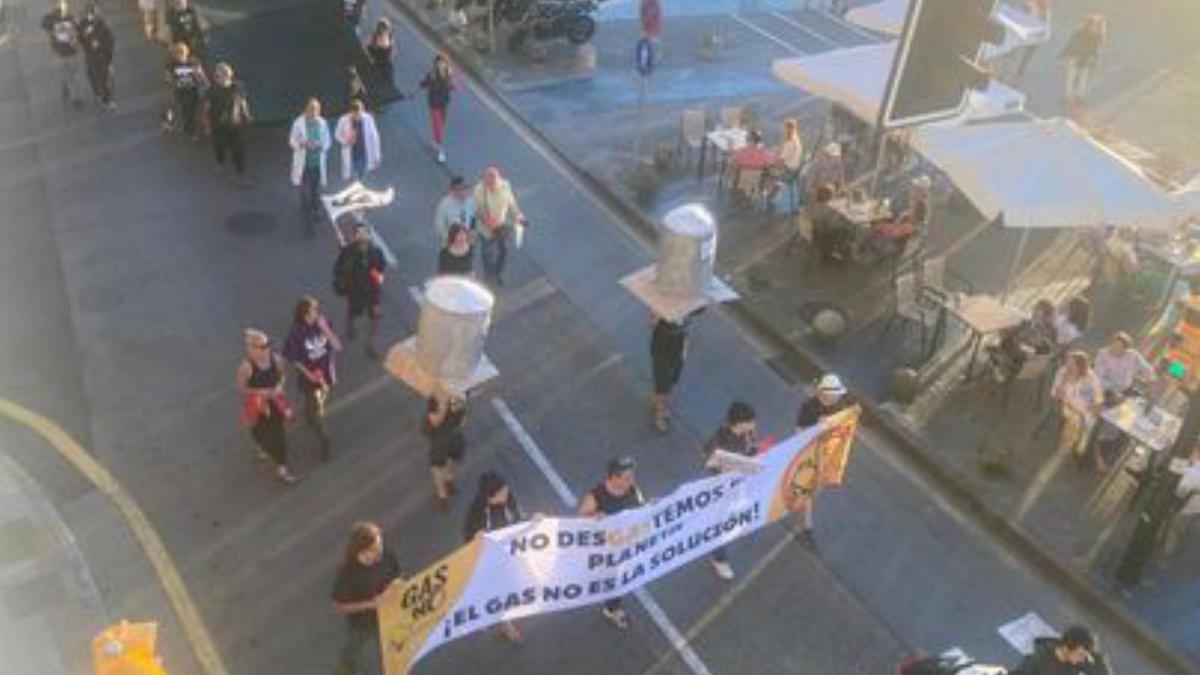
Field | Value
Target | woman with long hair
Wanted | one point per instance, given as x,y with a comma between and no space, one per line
438,84
1079,393
366,572
309,347
380,47
457,255
494,507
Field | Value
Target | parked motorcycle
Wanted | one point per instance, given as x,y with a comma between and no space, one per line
548,20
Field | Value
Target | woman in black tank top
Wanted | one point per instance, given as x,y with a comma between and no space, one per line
616,493
265,410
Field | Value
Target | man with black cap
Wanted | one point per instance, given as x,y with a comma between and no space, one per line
830,398
1075,653
616,493
738,435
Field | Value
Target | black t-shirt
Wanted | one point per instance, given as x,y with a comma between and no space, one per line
96,40
63,31
448,263
184,24
356,582
220,103
812,410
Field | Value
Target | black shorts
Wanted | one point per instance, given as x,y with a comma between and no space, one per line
666,375
368,305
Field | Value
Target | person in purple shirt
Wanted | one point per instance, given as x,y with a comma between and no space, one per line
309,348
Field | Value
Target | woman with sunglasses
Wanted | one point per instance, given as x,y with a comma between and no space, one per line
265,409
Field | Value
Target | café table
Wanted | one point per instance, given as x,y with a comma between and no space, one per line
1150,427
983,315
862,212
726,140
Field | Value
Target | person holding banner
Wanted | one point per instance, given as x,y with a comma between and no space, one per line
616,493
367,570
831,397
738,435
494,508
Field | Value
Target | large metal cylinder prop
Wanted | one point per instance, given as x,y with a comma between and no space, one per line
454,322
687,249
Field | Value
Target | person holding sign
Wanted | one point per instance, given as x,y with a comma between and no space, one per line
494,508
616,493
831,397
367,570
738,435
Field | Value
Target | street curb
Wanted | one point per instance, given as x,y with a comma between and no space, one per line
911,444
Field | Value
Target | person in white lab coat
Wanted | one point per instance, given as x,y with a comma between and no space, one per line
359,137
310,141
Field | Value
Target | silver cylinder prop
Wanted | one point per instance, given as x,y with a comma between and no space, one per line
687,249
454,322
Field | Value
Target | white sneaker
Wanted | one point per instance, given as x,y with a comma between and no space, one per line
723,569
441,156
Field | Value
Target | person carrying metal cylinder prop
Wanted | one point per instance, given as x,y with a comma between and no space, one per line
445,416
668,347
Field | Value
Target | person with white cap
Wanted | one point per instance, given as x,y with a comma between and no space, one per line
830,397
826,169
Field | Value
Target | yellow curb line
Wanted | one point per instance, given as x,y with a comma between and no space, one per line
168,574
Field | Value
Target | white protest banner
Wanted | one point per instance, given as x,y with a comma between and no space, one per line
553,564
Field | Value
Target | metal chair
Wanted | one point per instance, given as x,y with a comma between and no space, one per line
692,127
908,308
749,183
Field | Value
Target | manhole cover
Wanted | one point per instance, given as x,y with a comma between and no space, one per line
250,223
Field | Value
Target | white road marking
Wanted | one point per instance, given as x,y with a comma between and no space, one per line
829,42
768,35
660,618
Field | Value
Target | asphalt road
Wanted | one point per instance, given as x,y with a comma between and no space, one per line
154,265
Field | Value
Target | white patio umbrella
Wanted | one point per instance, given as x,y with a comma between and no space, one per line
1189,196
1046,173
855,78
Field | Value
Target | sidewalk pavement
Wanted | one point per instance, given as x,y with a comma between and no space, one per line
594,118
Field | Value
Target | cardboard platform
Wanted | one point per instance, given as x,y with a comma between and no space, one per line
669,306
401,362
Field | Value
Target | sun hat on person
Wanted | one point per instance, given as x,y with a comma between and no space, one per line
831,384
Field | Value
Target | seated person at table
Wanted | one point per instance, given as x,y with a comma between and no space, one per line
754,155
1034,336
825,169
1119,366
1070,322
888,237
832,235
